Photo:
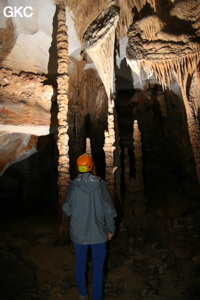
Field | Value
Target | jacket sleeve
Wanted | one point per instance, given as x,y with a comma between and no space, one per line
67,205
109,209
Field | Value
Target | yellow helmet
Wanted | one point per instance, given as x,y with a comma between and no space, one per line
84,163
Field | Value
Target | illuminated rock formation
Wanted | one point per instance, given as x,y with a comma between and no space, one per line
162,48
143,45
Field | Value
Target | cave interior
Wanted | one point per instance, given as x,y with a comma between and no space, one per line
121,82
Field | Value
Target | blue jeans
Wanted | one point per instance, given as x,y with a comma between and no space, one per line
98,258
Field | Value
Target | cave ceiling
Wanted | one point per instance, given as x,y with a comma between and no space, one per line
124,44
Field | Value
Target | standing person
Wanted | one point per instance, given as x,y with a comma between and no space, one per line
91,212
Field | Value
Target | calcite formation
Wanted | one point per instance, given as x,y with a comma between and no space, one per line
99,42
166,54
160,47
62,100
50,63
119,79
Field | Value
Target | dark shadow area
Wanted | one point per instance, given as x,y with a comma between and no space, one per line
53,56
124,109
30,186
77,144
123,76
52,75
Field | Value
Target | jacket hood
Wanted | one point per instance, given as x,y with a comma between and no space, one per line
87,187
87,182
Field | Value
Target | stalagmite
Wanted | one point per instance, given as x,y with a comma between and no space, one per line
88,146
138,184
62,100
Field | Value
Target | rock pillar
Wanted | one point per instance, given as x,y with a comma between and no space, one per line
62,100
109,149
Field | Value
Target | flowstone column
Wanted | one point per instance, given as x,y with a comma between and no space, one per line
62,100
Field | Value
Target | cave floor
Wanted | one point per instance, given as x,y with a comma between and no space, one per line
34,265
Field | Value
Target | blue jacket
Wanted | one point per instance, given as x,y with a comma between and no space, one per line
92,213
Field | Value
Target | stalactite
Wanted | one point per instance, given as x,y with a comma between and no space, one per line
150,27
165,72
85,12
102,56
125,17
141,3
99,42
62,100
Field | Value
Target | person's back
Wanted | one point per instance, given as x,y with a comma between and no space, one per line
90,208
91,212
